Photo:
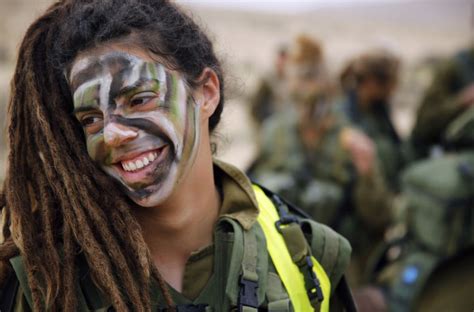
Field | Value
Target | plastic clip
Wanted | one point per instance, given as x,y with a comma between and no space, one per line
248,294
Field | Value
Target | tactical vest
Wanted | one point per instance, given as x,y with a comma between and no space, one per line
292,281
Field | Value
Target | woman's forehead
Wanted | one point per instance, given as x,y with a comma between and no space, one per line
111,58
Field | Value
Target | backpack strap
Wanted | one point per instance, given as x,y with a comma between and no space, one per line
330,248
304,288
21,277
18,267
290,230
248,298
244,275
343,292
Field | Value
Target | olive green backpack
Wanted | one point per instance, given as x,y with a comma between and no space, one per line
439,196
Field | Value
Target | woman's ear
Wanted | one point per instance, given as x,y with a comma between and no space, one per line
210,92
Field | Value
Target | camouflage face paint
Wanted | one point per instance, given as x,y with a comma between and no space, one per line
140,122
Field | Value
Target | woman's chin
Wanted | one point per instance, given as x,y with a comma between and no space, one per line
152,196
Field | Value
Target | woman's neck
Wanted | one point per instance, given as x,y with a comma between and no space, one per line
185,222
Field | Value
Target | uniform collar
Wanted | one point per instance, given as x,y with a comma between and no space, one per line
238,198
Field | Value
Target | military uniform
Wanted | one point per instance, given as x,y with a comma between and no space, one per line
376,124
439,105
214,275
428,267
325,184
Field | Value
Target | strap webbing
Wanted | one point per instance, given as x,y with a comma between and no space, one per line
283,305
17,264
248,299
249,261
297,245
288,271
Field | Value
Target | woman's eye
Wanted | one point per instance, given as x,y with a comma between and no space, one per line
138,101
142,98
92,123
90,120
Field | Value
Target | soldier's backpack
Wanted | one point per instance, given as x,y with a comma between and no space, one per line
440,195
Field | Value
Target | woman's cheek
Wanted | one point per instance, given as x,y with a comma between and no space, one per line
96,148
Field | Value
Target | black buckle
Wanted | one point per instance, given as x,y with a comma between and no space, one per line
285,220
285,217
191,307
314,289
247,294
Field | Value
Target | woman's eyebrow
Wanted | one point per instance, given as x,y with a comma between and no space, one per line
85,108
140,83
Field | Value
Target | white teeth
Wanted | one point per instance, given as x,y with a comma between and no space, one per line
145,161
152,156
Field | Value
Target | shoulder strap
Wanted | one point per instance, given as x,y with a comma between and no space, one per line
20,276
18,266
344,293
298,212
332,246
295,276
331,249
248,298
245,276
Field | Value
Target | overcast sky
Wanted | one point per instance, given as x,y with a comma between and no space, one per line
279,5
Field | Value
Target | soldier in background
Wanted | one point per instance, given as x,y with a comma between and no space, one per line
313,158
450,94
271,94
431,267
368,82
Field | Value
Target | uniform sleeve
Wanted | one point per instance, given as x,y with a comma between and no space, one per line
373,200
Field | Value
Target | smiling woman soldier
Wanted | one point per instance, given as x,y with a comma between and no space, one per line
113,200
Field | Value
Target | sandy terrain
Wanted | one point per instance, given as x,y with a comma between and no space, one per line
246,42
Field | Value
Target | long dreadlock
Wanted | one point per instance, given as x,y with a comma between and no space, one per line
59,208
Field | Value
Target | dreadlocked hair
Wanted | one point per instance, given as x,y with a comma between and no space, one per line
59,208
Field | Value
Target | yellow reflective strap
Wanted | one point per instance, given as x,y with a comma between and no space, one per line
288,271
325,283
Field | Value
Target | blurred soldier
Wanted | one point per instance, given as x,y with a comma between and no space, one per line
432,266
272,93
316,161
450,94
369,82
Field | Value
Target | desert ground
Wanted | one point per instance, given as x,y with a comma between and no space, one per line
247,40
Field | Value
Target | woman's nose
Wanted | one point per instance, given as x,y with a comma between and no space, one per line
116,134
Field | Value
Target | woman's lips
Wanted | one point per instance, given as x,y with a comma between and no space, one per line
139,168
